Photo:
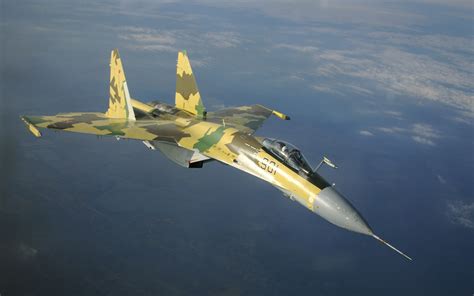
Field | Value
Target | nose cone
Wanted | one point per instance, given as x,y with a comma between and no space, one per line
333,207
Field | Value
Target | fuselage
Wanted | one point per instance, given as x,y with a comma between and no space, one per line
248,153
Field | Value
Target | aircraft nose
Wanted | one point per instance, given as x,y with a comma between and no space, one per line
335,208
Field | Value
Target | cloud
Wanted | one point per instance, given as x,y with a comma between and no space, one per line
148,39
202,62
402,73
461,213
326,89
441,179
424,130
365,133
154,47
399,14
223,39
334,11
26,252
420,133
424,134
393,113
435,42
464,117
392,130
147,35
424,141
372,57
410,65
298,48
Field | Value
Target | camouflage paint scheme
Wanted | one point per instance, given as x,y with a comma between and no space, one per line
224,135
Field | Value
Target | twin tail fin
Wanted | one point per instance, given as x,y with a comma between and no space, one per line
120,104
187,95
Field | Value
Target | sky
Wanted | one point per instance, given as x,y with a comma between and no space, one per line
384,89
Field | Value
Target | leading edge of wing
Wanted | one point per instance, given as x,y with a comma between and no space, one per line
101,125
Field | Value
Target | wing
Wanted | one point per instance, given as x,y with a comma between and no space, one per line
101,125
245,118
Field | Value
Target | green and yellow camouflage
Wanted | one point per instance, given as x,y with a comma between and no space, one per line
190,136
120,105
187,95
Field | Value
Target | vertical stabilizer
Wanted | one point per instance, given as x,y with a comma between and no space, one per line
187,93
120,105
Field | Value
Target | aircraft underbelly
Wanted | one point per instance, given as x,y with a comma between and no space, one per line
181,156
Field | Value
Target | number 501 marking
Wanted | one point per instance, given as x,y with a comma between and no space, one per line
268,165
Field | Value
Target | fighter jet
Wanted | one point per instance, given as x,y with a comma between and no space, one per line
190,136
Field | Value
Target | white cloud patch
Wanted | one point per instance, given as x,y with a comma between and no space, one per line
223,39
370,12
298,48
427,67
420,133
401,73
26,252
393,113
441,179
154,47
149,39
365,133
424,134
392,130
464,117
423,141
461,213
355,12
326,89
197,63
425,130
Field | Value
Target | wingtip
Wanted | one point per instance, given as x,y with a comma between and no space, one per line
281,115
31,127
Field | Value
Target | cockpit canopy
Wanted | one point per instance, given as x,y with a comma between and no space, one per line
288,154
292,157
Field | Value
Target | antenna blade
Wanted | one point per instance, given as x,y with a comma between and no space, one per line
391,247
